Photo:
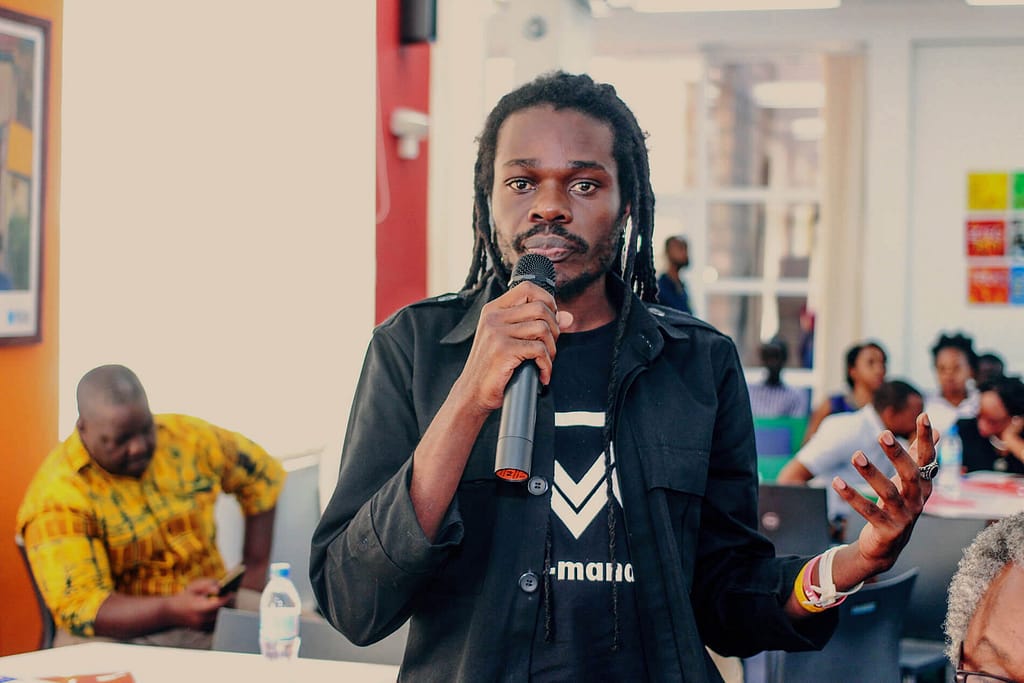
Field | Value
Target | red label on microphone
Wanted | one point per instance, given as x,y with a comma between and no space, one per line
511,474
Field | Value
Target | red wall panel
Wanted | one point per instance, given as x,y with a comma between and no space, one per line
403,80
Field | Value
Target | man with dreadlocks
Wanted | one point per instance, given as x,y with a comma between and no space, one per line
634,543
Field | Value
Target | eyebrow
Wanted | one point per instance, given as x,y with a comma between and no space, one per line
994,647
533,163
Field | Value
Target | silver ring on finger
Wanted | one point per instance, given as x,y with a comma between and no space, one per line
929,471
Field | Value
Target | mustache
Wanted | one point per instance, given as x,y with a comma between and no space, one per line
556,229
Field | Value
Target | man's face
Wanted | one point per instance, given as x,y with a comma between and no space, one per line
988,369
771,358
556,193
120,438
903,422
993,417
994,643
678,254
952,370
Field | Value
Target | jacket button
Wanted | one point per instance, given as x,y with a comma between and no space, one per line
529,582
537,485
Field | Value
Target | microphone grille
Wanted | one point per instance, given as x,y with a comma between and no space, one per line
537,269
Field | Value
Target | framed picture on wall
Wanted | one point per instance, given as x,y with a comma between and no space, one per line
24,68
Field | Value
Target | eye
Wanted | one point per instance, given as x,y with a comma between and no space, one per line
519,185
585,187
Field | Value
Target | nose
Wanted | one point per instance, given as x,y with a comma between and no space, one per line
550,205
137,446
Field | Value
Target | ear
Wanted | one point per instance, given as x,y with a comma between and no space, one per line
887,414
80,425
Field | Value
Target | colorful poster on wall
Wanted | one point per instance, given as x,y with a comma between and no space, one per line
986,238
994,237
1018,190
1015,242
22,64
988,285
987,191
1017,285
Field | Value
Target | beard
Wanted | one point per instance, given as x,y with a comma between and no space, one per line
602,256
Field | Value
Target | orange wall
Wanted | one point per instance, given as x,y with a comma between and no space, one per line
28,373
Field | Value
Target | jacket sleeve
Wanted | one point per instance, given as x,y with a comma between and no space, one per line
369,556
740,588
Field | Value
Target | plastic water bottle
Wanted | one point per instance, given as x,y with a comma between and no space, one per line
951,460
279,615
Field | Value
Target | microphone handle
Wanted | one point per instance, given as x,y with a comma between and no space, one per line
514,454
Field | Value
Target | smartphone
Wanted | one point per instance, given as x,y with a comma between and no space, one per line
230,582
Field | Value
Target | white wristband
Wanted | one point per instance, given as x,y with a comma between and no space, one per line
827,593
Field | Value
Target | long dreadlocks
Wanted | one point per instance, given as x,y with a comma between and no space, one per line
634,261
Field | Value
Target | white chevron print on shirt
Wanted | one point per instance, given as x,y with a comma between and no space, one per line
577,503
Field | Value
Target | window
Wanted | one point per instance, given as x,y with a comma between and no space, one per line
735,146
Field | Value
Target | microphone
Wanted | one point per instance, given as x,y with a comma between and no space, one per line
519,411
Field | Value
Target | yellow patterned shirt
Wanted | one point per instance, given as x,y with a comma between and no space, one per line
89,533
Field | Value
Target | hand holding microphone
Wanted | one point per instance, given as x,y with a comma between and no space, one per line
514,455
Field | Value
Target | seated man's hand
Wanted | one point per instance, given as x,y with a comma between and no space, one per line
196,606
1013,438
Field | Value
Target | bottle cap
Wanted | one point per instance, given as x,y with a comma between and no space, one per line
280,569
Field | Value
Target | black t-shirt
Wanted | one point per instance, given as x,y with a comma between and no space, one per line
980,454
581,620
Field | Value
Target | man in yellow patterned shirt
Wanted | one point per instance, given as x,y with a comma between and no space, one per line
118,522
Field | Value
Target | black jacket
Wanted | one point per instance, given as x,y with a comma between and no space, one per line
684,443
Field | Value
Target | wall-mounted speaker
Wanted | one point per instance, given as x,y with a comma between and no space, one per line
418,21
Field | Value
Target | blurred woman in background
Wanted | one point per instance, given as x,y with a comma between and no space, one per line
865,372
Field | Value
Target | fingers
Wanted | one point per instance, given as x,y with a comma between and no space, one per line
924,444
203,587
864,507
881,484
1013,430
901,498
521,325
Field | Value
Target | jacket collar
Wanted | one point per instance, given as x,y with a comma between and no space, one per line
649,324
466,327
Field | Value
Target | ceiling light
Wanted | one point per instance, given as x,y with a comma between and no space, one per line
729,5
789,95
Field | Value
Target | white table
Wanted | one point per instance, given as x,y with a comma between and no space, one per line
166,665
982,495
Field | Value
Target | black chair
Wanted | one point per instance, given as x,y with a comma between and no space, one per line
49,628
935,548
238,631
865,644
794,518
923,658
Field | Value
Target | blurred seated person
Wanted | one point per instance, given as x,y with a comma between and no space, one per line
990,366
671,287
119,522
985,614
955,362
993,440
865,372
772,397
895,408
